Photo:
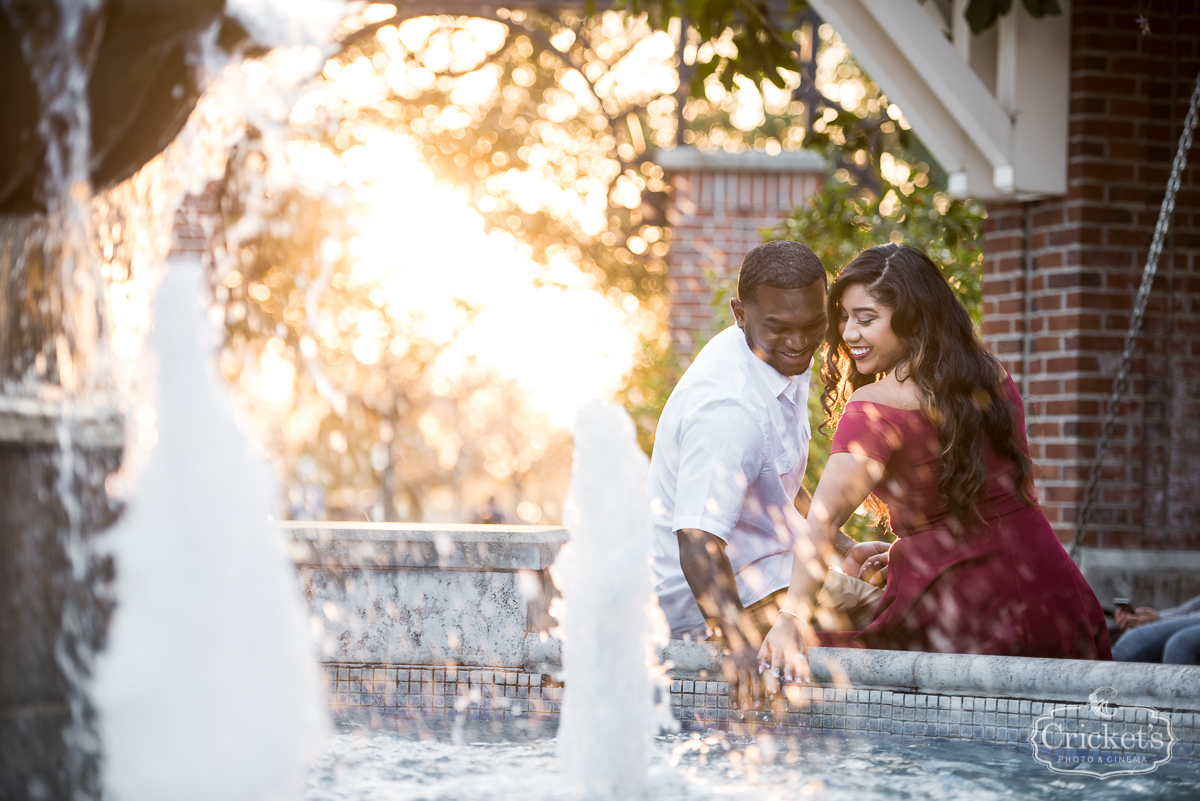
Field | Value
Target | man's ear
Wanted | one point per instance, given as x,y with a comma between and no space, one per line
739,312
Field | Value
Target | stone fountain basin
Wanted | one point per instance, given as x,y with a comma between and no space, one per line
391,596
427,594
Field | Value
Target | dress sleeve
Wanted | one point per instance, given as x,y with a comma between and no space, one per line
1014,396
864,430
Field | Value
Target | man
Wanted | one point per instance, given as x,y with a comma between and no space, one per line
489,513
729,458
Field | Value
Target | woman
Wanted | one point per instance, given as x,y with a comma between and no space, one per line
932,425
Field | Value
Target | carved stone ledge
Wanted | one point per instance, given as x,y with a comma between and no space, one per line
30,421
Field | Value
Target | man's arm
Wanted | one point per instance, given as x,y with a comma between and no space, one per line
710,576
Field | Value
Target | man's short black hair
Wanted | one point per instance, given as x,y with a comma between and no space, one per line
781,264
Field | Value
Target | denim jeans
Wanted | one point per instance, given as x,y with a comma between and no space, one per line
1174,641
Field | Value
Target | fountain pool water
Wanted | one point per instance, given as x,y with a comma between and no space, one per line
499,764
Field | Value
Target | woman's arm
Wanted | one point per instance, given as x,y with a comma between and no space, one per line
841,543
847,481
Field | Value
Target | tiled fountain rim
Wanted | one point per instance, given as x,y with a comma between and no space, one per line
1062,680
506,549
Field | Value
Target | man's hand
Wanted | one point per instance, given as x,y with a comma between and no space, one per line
710,577
1143,614
741,668
867,561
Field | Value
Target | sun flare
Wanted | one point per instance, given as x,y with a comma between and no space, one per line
426,253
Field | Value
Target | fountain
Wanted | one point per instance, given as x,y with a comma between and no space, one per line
206,597
93,91
608,643
205,662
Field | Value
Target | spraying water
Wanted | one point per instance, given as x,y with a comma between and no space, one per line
209,661
609,719
203,589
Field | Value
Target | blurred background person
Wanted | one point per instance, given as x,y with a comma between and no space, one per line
489,514
1171,636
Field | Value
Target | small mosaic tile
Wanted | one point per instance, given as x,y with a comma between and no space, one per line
411,692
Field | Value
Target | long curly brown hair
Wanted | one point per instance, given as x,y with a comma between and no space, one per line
960,384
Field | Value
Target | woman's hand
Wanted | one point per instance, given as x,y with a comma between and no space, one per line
784,652
1143,614
875,570
864,554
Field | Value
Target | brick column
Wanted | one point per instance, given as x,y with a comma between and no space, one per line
720,204
1129,95
191,233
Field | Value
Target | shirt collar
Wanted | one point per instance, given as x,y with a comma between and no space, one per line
776,383
792,389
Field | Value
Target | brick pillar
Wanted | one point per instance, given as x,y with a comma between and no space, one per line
191,234
1129,95
720,204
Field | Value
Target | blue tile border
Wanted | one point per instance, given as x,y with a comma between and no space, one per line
412,692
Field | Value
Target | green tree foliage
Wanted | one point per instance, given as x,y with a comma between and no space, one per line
341,381
573,104
982,14
655,373
760,35
547,122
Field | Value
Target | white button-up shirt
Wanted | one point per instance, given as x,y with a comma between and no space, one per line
729,457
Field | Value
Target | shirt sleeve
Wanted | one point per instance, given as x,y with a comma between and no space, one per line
722,450
863,430
1188,608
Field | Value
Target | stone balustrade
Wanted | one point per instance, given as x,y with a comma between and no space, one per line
426,594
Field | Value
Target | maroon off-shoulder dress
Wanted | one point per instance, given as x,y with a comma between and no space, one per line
1001,585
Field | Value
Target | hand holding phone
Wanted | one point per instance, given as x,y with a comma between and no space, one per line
1124,604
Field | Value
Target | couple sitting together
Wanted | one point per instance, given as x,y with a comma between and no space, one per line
927,423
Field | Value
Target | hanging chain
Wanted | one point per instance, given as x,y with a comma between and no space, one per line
1139,311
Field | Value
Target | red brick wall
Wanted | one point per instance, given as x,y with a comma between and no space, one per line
1129,96
192,232
717,217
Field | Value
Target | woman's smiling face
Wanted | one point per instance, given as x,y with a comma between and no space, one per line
866,327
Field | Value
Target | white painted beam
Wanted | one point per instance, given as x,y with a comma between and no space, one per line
1009,145
957,87
1040,95
960,30
971,172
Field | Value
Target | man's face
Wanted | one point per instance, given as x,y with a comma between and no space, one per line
784,327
